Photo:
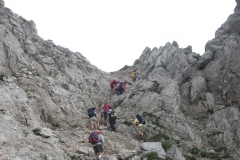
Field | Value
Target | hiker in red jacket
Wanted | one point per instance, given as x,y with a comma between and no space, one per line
105,107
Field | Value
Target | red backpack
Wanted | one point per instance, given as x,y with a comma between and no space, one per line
106,108
94,138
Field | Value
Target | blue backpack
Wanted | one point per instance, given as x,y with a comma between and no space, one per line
141,119
120,85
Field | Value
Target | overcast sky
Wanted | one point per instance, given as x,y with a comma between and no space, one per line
113,33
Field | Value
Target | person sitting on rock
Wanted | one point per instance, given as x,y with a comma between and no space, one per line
139,121
93,117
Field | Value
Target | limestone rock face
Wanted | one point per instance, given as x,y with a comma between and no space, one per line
154,147
190,102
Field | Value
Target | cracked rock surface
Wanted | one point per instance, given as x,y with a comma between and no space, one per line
190,102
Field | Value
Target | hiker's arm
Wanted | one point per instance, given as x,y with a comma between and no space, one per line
102,139
134,123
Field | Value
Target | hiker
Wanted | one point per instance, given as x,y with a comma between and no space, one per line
93,117
105,107
121,87
133,75
139,121
112,116
113,84
96,138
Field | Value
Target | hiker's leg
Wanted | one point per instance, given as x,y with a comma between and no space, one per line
91,125
99,150
101,154
105,116
94,122
108,123
97,124
95,151
114,123
140,132
111,124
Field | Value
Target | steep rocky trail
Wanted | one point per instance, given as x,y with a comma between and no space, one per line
190,102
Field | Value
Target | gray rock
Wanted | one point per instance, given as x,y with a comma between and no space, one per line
187,100
124,154
154,147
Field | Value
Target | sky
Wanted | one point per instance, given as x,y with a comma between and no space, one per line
113,33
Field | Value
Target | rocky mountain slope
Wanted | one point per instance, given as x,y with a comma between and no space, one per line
190,102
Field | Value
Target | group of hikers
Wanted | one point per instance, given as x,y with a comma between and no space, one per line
120,87
108,115
96,137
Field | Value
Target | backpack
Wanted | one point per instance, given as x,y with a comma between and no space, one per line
91,113
113,82
120,85
136,74
106,109
113,115
141,119
94,138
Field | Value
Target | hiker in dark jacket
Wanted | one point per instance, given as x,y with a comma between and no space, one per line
112,116
93,117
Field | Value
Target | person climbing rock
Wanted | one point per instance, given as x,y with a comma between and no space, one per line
139,121
121,88
93,117
113,84
96,138
112,116
105,107
133,75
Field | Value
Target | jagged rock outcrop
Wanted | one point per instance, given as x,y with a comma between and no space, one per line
190,102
